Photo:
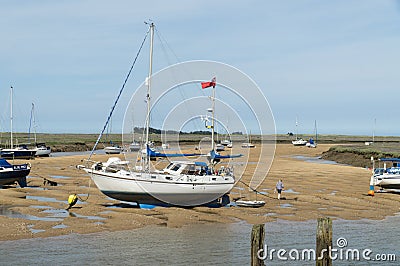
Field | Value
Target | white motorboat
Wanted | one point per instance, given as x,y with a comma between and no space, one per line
181,183
299,142
227,143
248,145
165,146
387,177
134,146
112,150
250,203
219,147
42,150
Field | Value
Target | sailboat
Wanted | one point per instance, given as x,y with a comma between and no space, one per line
298,141
9,174
181,183
134,146
21,151
112,149
311,142
41,149
248,144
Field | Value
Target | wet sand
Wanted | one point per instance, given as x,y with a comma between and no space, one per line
312,190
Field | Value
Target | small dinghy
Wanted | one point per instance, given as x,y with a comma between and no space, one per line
250,203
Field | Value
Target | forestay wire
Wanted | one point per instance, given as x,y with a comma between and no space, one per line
119,95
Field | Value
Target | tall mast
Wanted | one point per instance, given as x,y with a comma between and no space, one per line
34,121
148,82
11,117
212,120
316,131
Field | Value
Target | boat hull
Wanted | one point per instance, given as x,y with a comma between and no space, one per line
17,154
388,182
112,150
10,176
145,191
43,152
248,145
250,203
299,142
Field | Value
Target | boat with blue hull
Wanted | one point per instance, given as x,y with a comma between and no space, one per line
9,174
21,152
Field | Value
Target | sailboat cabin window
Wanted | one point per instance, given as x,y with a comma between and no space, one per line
176,167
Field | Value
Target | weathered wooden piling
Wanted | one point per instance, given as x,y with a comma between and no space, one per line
257,243
324,242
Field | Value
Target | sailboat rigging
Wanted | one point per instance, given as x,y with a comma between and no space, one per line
298,141
181,183
21,151
312,143
41,149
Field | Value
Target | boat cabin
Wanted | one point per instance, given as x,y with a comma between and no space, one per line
187,168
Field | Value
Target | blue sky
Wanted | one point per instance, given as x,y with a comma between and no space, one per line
336,62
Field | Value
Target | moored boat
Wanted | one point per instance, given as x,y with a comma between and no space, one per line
10,174
181,183
112,150
134,146
299,142
20,152
250,203
15,152
248,145
387,177
42,150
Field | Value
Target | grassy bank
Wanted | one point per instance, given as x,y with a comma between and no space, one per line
360,155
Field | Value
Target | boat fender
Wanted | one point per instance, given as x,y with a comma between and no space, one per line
371,191
72,199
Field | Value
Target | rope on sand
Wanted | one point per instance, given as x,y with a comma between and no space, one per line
256,191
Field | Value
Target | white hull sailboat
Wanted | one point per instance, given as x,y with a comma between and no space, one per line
298,141
181,183
158,188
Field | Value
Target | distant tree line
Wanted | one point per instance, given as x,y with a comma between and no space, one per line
140,130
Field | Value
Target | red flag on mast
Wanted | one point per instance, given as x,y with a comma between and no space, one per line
212,83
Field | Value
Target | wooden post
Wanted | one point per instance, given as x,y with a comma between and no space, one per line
324,242
257,243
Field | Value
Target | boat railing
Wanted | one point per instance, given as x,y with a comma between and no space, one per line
393,170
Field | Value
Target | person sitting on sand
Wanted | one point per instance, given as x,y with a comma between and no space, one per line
279,188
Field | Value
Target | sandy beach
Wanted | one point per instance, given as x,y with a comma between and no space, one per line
312,190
